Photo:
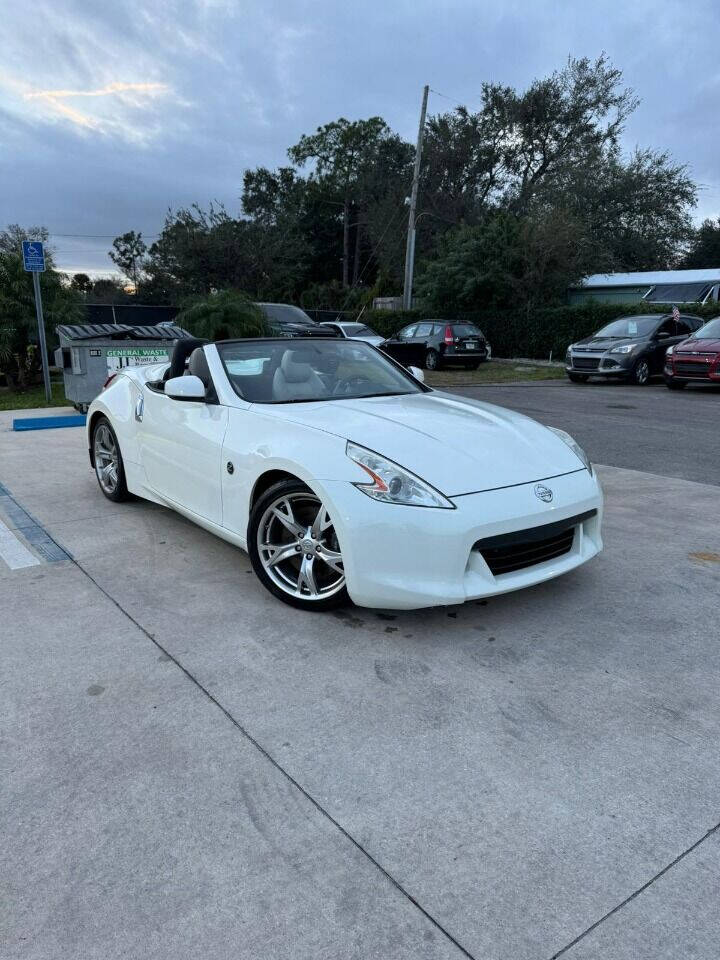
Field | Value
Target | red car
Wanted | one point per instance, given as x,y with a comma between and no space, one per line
695,360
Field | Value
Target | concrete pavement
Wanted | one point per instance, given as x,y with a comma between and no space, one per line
197,770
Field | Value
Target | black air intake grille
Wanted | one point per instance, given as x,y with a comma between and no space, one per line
525,548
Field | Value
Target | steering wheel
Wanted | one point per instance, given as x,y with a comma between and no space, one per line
349,385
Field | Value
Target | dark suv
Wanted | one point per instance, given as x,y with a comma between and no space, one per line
629,348
285,320
437,343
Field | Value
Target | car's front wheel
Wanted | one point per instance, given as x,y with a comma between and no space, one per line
108,461
294,548
640,373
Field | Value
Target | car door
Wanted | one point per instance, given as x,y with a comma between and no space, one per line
667,334
401,347
180,446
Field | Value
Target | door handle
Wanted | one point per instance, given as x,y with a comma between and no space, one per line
140,409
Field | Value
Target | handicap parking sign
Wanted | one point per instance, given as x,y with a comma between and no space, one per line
33,256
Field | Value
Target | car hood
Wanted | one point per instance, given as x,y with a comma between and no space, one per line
606,343
456,444
698,346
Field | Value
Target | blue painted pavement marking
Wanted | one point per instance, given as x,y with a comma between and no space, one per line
48,423
32,531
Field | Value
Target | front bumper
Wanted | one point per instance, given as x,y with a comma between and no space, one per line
600,365
685,370
401,557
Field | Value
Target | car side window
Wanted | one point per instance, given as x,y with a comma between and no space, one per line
667,327
407,332
423,330
684,329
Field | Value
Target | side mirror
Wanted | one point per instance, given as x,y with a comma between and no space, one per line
185,388
417,373
662,335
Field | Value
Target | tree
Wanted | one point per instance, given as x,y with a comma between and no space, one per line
505,261
636,210
108,290
12,237
129,254
81,282
341,150
704,248
20,360
222,315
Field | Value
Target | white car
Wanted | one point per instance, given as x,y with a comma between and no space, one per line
343,475
354,331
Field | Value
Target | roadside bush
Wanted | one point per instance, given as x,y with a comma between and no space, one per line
534,333
223,315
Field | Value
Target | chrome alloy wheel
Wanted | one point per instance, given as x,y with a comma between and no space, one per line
107,460
298,547
642,372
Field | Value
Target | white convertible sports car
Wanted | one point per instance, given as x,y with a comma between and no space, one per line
342,474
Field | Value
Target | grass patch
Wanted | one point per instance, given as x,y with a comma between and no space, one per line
34,397
492,372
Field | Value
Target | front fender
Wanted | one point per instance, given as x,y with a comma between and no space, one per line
117,403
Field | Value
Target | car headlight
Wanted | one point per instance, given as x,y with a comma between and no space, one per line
391,483
574,446
625,348
669,350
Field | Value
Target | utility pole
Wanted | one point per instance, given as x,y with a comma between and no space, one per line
410,246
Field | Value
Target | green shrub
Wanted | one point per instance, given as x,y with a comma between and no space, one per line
223,315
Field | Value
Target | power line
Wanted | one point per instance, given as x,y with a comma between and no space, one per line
101,236
460,103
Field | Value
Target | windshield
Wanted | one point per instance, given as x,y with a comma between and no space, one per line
630,327
711,331
358,330
284,313
292,371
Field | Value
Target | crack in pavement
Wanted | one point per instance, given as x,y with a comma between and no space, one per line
636,893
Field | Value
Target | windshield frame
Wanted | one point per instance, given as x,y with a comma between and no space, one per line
414,386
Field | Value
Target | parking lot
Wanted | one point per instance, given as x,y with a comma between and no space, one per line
192,769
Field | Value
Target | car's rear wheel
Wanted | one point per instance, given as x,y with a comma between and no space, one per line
108,462
640,373
432,360
294,548
578,377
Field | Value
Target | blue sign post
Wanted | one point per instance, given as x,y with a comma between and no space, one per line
34,262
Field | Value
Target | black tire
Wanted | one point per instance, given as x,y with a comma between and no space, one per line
578,377
297,490
640,374
472,366
432,360
675,384
116,491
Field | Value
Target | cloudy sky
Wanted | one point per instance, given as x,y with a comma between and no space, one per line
111,112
